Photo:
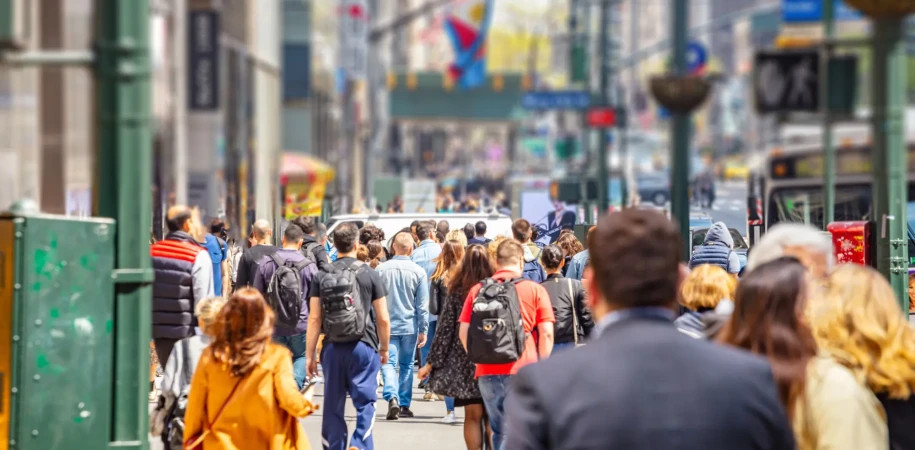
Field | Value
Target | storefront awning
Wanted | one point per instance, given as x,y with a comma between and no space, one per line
301,168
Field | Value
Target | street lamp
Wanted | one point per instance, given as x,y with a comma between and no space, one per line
680,94
889,153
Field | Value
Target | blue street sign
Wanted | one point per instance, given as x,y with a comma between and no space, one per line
794,11
696,56
556,100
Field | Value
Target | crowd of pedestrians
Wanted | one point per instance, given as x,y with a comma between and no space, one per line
528,342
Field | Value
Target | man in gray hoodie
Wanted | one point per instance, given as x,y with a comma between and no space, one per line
717,250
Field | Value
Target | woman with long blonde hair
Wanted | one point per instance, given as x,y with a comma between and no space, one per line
827,407
243,394
448,263
859,323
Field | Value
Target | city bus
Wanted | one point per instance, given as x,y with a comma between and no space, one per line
792,184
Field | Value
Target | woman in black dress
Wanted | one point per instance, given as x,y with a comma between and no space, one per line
449,369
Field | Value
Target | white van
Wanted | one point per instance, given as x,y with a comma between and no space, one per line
496,224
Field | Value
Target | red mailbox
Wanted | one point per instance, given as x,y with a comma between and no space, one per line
851,241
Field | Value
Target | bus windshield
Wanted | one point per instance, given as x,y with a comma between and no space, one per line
853,202
805,204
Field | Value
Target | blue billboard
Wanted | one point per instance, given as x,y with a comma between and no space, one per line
794,11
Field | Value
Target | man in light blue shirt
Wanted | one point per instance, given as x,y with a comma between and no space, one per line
408,304
426,255
577,264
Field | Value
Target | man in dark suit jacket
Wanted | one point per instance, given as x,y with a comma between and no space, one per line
640,384
559,219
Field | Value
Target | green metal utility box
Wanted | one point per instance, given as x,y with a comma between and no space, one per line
56,332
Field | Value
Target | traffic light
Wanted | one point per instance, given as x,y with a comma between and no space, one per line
566,190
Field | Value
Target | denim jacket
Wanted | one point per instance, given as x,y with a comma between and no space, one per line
408,295
577,265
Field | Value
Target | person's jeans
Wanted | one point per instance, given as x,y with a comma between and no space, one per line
424,352
398,372
558,347
296,345
494,388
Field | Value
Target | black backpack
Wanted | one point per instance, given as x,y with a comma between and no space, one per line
284,291
496,334
309,253
344,315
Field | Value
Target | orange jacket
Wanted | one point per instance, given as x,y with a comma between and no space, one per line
260,415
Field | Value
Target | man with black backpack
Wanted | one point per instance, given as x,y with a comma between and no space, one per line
498,322
285,279
312,249
349,306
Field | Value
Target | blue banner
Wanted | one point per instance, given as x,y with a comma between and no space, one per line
795,11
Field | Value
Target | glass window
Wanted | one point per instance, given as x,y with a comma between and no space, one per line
805,205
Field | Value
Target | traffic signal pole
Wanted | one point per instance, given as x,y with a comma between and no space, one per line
124,179
603,175
888,121
679,183
829,151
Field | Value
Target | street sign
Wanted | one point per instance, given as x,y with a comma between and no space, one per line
696,57
354,37
796,11
601,117
556,100
787,81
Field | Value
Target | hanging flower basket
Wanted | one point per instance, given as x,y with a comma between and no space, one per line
679,94
882,9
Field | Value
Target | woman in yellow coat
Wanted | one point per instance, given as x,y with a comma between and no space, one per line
243,394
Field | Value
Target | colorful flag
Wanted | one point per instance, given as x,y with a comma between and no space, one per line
467,24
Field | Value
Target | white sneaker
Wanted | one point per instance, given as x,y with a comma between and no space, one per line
450,418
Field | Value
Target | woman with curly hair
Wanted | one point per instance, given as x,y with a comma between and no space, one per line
570,246
859,323
827,406
492,248
370,233
243,394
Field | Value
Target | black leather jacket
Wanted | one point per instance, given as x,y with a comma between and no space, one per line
562,299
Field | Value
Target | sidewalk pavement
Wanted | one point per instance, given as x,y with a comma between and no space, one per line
424,431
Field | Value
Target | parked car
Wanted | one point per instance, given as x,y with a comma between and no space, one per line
653,187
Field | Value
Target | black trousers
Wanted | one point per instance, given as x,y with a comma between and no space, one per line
164,348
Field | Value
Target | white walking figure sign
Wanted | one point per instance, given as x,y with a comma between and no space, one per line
801,76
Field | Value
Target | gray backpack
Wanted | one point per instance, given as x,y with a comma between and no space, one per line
344,313
309,253
284,291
